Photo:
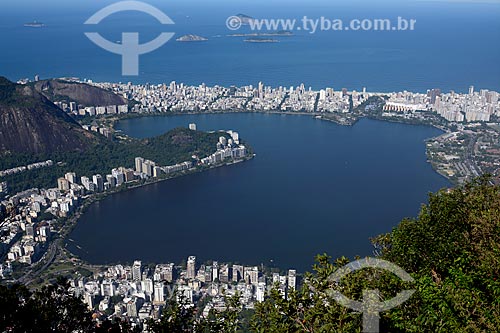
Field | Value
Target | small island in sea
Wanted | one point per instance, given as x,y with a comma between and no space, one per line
34,24
261,40
245,19
191,38
281,33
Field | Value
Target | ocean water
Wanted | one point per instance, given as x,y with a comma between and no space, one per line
314,187
455,45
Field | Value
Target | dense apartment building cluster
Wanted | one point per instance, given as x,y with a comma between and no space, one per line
28,167
176,97
454,107
82,110
337,100
139,292
105,131
263,98
300,99
475,106
226,149
24,228
146,168
27,227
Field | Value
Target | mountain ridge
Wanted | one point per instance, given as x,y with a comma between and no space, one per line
31,123
81,93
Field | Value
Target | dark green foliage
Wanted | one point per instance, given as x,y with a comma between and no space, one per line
453,251
7,90
173,147
116,326
228,321
177,316
180,317
50,309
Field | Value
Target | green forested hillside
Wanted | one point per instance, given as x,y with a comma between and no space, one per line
170,148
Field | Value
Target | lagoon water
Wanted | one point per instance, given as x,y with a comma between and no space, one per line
313,187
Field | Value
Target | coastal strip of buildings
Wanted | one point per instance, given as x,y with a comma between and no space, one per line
454,107
28,167
474,106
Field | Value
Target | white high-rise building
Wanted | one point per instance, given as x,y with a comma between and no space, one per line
236,137
252,275
147,168
215,270
99,182
147,286
138,164
107,288
159,293
111,180
63,184
122,108
292,279
260,292
71,177
191,267
119,176
3,187
86,182
322,95
238,271
137,270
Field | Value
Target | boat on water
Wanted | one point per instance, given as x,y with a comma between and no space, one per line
34,24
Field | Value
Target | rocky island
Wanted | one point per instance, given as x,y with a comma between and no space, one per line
281,33
34,24
245,19
191,38
261,40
